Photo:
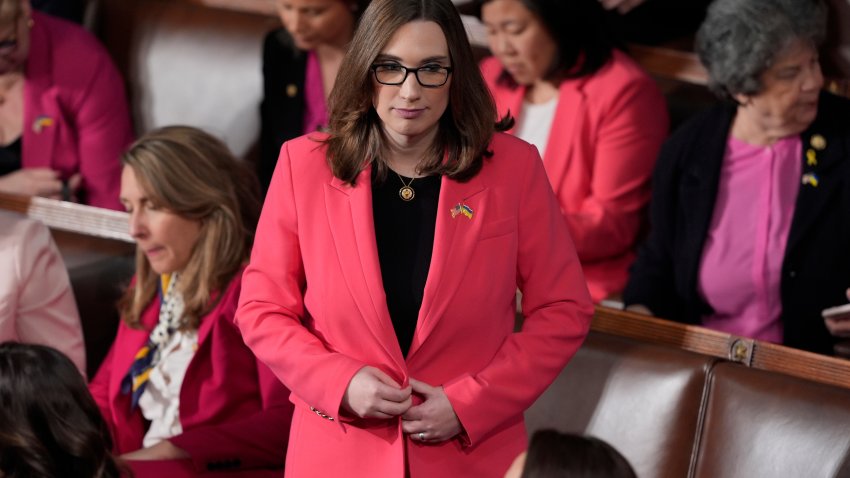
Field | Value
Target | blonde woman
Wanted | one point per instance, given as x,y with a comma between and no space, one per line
178,360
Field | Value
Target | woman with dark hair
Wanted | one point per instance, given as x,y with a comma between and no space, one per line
300,64
381,288
751,199
49,424
596,117
179,386
552,454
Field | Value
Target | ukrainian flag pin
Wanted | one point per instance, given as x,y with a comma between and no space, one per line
41,122
811,157
810,179
818,142
462,209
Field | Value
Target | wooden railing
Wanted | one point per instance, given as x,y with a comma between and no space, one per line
752,353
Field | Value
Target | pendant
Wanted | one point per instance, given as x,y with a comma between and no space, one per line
406,193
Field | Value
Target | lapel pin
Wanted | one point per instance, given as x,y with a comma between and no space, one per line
811,157
291,90
818,142
462,209
810,179
41,122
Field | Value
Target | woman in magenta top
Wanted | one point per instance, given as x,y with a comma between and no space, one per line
63,115
596,117
750,199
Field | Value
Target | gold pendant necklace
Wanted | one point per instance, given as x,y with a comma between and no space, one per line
406,193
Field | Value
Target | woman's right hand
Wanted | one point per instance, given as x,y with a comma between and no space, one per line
32,182
373,394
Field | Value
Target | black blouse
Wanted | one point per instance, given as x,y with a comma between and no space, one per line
405,236
10,157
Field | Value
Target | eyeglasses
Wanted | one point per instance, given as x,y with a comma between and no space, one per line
429,76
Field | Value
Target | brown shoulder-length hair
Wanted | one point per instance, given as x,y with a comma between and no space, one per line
192,174
356,136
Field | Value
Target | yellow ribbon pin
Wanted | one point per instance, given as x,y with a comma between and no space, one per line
811,157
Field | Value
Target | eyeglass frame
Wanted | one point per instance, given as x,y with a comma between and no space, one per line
408,71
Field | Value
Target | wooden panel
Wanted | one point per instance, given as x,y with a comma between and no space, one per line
664,332
669,63
752,353
263,7
798,363
72,217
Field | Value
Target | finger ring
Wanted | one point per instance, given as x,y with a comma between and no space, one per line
421,436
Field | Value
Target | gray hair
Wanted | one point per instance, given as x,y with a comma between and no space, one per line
740,39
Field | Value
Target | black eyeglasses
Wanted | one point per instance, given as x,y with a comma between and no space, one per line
429,76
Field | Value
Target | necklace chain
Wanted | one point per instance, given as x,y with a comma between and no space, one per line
406,192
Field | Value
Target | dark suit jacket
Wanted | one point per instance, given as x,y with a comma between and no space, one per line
282,109
816,266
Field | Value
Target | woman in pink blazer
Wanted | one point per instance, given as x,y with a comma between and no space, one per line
596,117
63,115
36,301
179,389
381,288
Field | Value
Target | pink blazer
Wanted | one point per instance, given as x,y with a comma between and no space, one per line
36,302
313,308
75,112
606,134
234,412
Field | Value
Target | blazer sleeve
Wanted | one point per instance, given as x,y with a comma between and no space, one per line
652,276
630,130
259,440
99,389
557,310
104,131
47,313
271,307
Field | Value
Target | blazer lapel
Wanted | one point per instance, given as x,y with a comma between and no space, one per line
352,227
819,181
563,135
455,238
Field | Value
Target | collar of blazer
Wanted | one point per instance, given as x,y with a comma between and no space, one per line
349,211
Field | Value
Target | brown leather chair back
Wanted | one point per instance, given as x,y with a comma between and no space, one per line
643,399
766,424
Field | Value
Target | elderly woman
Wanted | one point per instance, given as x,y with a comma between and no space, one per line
63,115
179,386
597,119
383,281
751,200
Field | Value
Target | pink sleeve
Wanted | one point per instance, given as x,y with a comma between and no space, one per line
99,389
47,313
104,131
271,306
630,131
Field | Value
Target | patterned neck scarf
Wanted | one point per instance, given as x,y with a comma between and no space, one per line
170,319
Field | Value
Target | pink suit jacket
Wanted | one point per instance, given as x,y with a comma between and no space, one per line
234,412
313,307
36,302
605,138
75,112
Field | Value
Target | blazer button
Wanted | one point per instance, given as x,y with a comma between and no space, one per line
792,274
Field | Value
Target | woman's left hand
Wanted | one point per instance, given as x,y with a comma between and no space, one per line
163,450
432,421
